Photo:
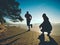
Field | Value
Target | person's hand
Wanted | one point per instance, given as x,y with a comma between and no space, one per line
30,18
22,20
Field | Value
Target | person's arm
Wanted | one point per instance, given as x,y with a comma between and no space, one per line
25,15
30,17
40,25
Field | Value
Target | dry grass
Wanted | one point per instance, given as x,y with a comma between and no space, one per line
20,36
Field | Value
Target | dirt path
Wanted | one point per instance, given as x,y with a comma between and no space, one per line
18,36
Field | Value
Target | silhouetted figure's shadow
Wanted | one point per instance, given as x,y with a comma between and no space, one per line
1,40
43,42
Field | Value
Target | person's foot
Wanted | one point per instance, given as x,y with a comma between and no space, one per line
31,26
28,30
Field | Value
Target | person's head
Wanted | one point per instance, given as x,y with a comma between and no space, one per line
44,16
27,12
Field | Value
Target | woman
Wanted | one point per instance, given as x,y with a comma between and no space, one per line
46,26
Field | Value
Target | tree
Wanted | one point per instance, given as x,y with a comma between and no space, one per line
9,8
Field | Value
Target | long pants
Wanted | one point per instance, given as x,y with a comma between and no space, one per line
28,22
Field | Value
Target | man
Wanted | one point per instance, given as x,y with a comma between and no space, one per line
28,20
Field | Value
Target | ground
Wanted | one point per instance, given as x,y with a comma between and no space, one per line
17,35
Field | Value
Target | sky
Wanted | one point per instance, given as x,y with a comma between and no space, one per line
37,7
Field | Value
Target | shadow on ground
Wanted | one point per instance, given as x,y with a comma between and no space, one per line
5,39
43,42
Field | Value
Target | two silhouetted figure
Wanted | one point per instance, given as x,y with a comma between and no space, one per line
46,26
28,20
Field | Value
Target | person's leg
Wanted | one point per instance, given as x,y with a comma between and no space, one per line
48,33
31,25
28,24
29,28
42,32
